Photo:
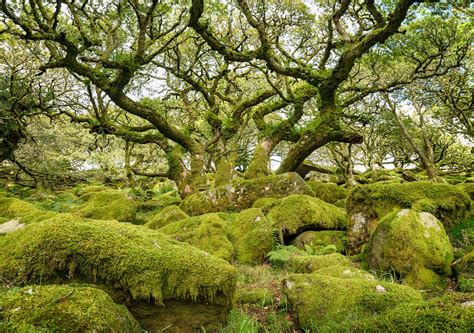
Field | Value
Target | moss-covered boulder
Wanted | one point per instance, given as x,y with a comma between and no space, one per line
323,303
63,308
251,235
329,192
412,244
258,296
240,193
166,216
139,267
321,240
452,312
24,212
207,232
343,271
161,201
298,213
373,176
366,205
107,205
265,204
312,263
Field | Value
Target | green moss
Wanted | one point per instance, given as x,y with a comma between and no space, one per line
366,205
139,261
251,234
224,172
258,166
328,192
12,208
297,213
373,176
257,296
166,216
326,304
265,204
443,314
468,188
53,308
462,235
207,232
412,244
160,202
107,205
345,272
464,268
321,239
240,194
312,263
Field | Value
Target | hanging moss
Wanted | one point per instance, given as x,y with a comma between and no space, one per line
241,194
251,234
412,244
325,303
141,262
107,205
449,313
366,205
312,263
318,240
166,216
328,192
207,232
64,308
298,213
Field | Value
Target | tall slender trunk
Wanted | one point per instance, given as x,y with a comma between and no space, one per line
260,160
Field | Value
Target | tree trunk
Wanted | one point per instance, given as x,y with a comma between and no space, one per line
260,160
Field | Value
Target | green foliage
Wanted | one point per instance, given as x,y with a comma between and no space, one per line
320,240
280,256
63,308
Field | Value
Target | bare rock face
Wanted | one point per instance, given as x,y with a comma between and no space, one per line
10,226
240,194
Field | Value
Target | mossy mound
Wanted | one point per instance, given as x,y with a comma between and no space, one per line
328,192
63,308
320,240
107,205
325,303
166,216
159,202
373,176
464,268
345,272
298,213
449,313
366,205
240,194
251,235
312,263
468,188
265,204
258,296
138,263
25,212
412,244
207,232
